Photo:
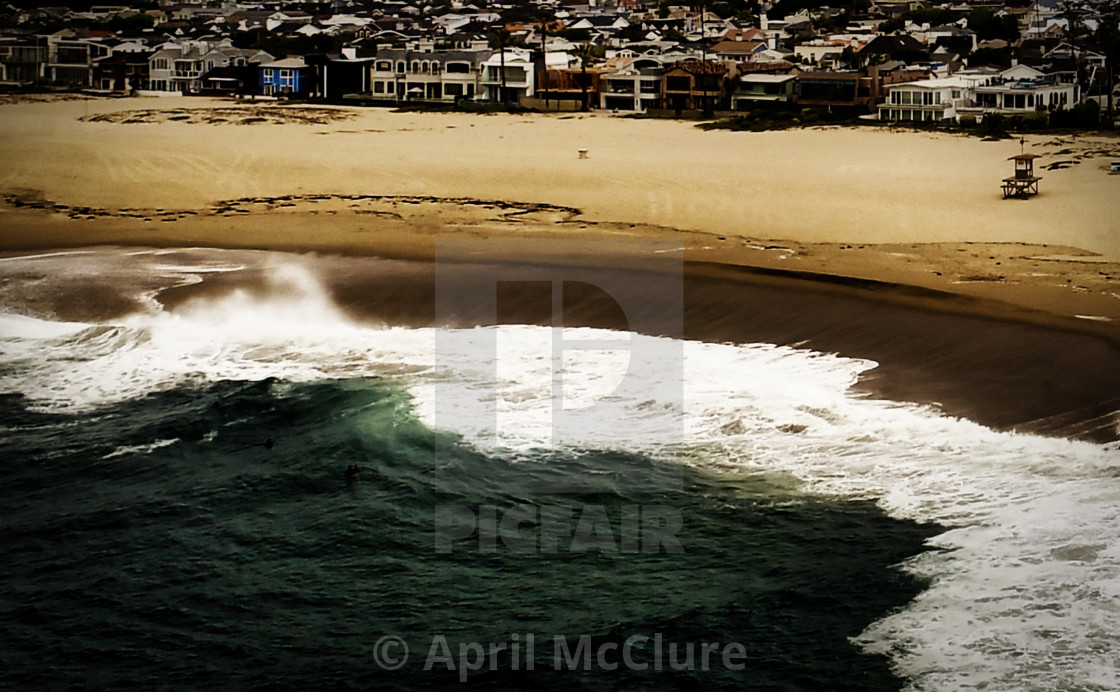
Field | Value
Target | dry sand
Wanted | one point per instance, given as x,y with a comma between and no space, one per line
905,208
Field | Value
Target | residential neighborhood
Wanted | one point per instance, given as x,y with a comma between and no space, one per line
891,60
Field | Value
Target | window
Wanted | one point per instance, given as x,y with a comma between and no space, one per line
400,66
458,68
159,64
379,87
384,66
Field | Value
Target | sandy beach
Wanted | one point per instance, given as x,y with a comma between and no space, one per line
914,209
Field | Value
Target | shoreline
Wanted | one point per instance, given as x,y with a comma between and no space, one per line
902,222
933,350
951,277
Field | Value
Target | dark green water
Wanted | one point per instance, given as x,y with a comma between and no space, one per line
219,561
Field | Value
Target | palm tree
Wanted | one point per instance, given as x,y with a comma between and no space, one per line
499,39
585,53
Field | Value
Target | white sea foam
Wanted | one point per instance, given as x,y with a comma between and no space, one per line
141,449
1025,590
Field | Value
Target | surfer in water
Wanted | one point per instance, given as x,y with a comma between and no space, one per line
351,474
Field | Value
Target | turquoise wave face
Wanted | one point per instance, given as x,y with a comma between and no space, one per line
209,536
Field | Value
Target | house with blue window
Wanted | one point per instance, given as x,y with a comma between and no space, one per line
287,77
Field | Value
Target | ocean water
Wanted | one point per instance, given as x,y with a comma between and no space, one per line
176,513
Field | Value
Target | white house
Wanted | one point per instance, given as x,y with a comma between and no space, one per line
1022,89
1015,91
929,100
519,76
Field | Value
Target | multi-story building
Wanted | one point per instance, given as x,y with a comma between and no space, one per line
756,88
1015,91
930,100
519,79
693,85
1022,89
179,67
400,74
122,71
70,60
287,77
23,61
634,86
857,91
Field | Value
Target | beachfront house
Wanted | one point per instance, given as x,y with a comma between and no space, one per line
70,59
288,77
929,100
1016,91
179,67
230,80
335,75
22,61
1023,89
122,71
854,91
402,74
693,85
519,76
634,86
759,88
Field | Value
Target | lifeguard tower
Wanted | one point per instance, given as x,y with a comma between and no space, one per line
1024,184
